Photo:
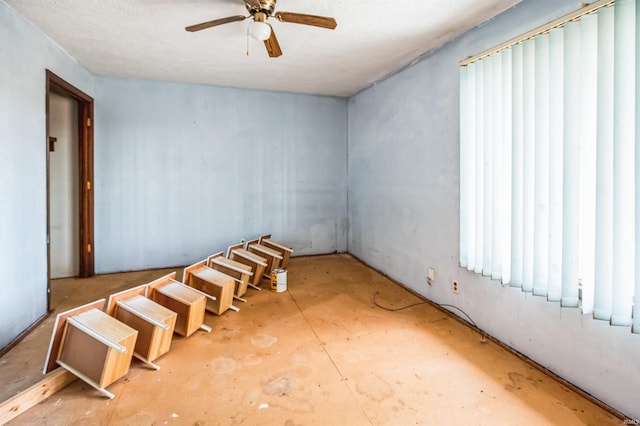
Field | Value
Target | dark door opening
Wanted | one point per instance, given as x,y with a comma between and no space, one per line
83,174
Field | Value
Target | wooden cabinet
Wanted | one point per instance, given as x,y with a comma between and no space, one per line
92,345
154,322
240,272
214,283
284,250
273,257
186,302
257,263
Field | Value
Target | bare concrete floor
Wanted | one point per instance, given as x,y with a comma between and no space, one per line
321,353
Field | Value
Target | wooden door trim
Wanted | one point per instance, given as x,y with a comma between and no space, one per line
55,84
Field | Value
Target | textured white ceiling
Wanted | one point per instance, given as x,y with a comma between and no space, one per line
147,39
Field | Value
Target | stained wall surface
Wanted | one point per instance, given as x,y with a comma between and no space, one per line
404,215
183,171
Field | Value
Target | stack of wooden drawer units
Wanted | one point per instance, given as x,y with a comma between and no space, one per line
96,342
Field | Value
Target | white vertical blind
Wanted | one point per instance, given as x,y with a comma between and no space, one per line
517,162
604,169
571,167
541,168
497,136
479,167
465,163
507,156
623,162
528,159
556,130
636,297
548,165
589,131
487,178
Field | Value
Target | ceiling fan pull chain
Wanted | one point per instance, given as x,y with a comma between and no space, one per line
247,40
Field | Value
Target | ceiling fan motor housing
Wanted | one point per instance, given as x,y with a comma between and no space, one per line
266,6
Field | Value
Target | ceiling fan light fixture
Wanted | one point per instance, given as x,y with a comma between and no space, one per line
259,12
259,30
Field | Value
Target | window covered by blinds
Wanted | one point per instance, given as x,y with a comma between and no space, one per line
549,166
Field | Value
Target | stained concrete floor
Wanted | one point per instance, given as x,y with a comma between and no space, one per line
321,353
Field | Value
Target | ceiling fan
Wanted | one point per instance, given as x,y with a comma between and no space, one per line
260,11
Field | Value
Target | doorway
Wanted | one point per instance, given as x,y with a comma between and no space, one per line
69,145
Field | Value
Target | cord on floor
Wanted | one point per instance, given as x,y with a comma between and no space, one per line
442,305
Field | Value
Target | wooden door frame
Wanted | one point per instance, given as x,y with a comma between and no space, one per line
55,84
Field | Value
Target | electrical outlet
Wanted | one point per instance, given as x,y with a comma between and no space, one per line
455,287
431,274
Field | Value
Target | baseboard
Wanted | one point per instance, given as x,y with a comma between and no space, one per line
22,335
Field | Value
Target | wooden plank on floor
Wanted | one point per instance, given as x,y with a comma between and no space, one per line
50,384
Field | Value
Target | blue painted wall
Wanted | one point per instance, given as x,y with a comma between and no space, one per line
185,170
24,55
404,209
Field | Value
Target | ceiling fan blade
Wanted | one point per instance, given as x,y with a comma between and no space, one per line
214,23
300,18
272,45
